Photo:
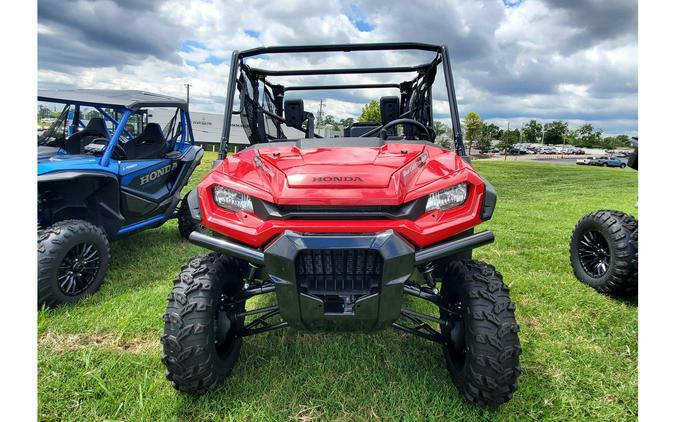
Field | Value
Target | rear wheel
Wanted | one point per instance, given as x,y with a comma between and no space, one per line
73,257
186,224
623,166
604,252
482,348
201,323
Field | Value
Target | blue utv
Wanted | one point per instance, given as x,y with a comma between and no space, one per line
112,163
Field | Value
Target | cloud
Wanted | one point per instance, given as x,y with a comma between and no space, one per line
512,60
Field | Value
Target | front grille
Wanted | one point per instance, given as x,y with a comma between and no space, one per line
411,210
338,272
356,209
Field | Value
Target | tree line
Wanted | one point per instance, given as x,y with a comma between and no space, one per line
479,133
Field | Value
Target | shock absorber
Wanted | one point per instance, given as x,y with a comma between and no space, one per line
251,275
428,272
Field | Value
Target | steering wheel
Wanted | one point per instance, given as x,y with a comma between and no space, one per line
383,130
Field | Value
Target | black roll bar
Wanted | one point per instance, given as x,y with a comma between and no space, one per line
346,71
353,86
441,50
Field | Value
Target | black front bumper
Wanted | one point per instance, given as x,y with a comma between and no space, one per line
340,282
342,262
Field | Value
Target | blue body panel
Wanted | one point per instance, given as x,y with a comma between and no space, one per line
65,162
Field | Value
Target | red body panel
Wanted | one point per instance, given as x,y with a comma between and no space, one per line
392,174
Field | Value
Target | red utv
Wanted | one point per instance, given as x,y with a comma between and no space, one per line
340,229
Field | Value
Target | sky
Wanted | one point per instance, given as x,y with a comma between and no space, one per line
512,60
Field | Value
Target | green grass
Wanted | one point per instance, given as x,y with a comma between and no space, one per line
100,360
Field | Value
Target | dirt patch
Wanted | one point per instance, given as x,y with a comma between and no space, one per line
69,342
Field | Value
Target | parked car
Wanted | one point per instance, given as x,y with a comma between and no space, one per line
585,161
608,162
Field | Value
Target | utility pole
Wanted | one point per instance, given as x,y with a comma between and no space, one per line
320,110
188,94
508,139
543,135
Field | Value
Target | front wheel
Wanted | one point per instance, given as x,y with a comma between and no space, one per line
201,323
186,224
482,348
623,166
73,257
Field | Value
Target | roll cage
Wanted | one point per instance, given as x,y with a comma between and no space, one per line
262,102
122,104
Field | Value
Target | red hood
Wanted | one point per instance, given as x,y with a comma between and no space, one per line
390,174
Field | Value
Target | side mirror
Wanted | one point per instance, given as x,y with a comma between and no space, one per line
294,112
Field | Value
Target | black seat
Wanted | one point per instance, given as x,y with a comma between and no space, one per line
149,144
96,128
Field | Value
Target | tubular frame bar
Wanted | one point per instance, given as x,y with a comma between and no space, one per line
345,71
229,104
252,331
256,291
452,100
418,333
356,86
442,50
340,47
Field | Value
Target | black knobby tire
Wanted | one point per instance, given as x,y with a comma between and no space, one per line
613,240
186,224
196,361
482,349
73,258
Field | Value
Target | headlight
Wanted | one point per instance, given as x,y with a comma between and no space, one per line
231,199
448,198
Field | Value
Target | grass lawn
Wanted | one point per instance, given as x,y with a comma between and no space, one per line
100,359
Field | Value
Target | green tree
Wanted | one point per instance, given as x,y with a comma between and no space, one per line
484,144
614,141
371,112
92,114
588,137
532,132
473,126
508,139
440,128
442,134
328,121
554,132
621,141
43,112
346,122
491,131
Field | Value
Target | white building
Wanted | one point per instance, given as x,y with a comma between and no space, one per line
207,128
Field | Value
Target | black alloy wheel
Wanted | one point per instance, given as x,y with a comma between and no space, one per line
594,253
79,268
604,252
73,258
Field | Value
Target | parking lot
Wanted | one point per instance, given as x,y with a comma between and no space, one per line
554,154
